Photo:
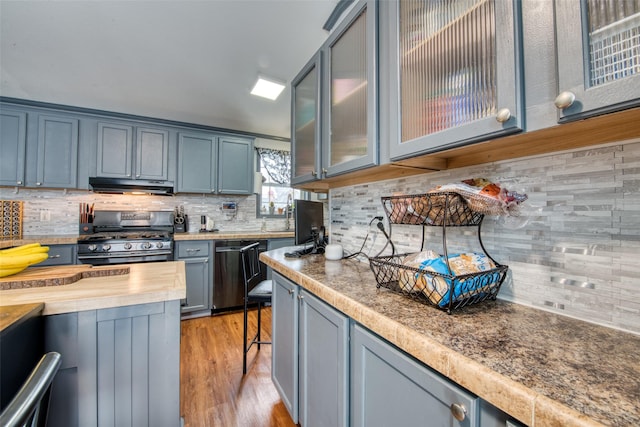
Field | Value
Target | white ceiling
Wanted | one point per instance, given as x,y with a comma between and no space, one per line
190,61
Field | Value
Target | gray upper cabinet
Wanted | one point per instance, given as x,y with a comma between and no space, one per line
56,160
197,160
13,140
120,155
235,165
455,73
306,123
349,95
214,164
598,57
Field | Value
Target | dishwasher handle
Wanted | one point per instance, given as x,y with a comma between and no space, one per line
229,249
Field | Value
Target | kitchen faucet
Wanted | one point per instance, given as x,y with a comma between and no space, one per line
287,212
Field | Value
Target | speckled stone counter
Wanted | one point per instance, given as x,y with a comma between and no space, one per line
229,234
541,368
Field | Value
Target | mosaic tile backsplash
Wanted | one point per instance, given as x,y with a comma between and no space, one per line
573,249
56,211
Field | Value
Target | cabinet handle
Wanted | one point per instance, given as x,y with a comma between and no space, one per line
300,297
138,176
193,250
19,182
129,175
324,172
564,100
314,173
38,183
290,291
54,256
503,115
458,411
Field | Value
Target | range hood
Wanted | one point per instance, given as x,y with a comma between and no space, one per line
136,186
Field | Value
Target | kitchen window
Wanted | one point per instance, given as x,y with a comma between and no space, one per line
275,167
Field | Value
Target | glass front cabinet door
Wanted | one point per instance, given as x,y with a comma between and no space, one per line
598,56
349,93
305,122
455,73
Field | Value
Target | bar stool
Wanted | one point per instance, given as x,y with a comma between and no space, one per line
257,291
29,407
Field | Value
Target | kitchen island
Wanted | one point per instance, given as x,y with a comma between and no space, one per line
119,337
540,368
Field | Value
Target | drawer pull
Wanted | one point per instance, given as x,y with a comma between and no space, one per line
290,291
458,411
54,256
193,250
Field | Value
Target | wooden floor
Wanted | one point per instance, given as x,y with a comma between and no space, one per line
213,391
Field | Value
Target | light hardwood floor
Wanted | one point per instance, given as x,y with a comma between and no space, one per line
213,391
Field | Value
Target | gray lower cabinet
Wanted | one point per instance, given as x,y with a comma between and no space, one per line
198,258
13,142
309,356
390,389
60,255
330,371
323,364
284,338
120,366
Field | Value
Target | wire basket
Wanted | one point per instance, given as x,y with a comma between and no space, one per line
436,209
444,291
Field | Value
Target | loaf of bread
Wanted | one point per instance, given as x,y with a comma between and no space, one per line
420,277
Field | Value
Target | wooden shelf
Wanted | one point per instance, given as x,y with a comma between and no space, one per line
608,128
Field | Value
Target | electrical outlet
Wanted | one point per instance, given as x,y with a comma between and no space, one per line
45,216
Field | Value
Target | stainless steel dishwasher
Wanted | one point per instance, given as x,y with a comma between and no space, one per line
228,284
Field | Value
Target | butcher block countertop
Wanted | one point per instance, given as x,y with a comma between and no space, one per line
541,368
145,283
11,315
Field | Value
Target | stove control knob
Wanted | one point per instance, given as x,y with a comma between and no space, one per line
127,246
106,247
146,245
159,245
92,247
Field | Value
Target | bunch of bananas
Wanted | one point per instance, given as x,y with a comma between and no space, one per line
14,260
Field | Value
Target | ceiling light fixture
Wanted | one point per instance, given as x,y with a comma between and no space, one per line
267,88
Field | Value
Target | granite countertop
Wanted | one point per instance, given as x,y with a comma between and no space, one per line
230,234
145,283
541,368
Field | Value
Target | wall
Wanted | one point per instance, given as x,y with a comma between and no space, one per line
573,249
49,212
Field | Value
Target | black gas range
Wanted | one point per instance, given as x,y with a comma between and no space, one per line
124,237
